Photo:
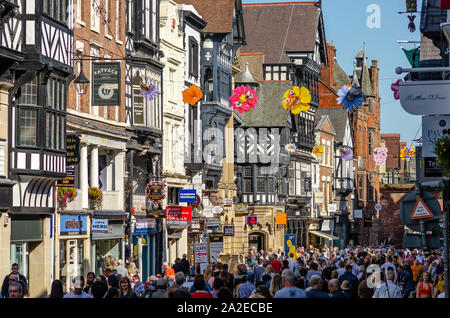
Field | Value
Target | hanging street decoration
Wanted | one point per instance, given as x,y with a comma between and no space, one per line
318,150
243,99
291,148
351,97
396,88
412,25
407,153
149,91
346,154
380,155
192,95
297,100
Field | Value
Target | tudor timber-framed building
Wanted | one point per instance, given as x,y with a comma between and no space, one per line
39,38
299,61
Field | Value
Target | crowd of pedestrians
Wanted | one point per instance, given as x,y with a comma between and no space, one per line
328,272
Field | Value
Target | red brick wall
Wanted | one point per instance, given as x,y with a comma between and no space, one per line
393,145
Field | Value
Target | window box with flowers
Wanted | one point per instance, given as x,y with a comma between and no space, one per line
95,198
65,195
442,150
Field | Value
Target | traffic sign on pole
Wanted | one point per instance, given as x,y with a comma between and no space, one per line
421,211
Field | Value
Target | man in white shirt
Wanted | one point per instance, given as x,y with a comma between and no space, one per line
292,262
388,289
121,270
78,283
388,264
420,257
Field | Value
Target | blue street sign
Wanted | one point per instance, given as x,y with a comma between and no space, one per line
189,196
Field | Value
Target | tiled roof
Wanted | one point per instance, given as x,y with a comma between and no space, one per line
339,76
338,118
269,112
217,13
274,28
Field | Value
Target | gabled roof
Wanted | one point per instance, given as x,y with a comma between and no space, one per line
338,118
274,28
269,112
217,13
323,119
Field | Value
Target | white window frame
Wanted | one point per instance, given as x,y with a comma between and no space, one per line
95,19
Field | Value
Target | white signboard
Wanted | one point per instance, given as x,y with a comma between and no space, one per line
432,131
100,225
215,248
217,209
207,212
332,207
425,97
201,252
326,225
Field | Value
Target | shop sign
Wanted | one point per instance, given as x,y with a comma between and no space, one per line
155,191
145,226
433,129
197,202
431,168
100,225
327,225
207,212
72,150
178,216
105,84
251,220
227,201
281,221
228,230
197,226
201,253
217,209
213,222
215,246
73,224
332,207
69,179
189,196
425,97
313,227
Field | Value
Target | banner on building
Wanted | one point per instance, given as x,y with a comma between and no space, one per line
100,225
281,221
289,243
189,196
252,220
105,84
73,224
215,246
201,253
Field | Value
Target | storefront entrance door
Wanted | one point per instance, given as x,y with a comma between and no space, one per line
256,240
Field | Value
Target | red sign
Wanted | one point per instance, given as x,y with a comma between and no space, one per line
421,211
252,220
445,4
179,213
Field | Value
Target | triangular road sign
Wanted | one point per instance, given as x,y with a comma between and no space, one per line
421,211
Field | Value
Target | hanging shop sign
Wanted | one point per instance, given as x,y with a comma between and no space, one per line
227,201
99,225
73,224
217,209
425,97
281,221
215,246
197,226
189,196
69,180
72,150
156,191
105,84
251,220
179,215
145,226
228,230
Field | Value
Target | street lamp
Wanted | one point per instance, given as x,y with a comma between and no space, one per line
81,82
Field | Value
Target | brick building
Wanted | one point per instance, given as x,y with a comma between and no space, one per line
365,124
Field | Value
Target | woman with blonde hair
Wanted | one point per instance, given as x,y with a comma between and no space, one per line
125,290
206,276
275,285
269,271
424,287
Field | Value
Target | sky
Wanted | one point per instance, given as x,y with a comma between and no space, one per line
346,26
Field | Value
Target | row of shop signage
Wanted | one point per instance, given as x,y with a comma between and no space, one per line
77,225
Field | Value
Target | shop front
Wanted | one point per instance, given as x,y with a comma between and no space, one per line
107,240
73,245
146,242
319,233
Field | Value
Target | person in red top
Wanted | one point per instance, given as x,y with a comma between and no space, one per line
168,271
199,287
276,264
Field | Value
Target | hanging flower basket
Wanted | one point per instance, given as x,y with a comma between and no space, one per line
442,150
65,195
95,198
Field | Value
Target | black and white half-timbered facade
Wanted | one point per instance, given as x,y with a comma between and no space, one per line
294,54
40,38
144,117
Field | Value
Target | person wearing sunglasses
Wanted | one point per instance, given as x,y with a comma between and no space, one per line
6,282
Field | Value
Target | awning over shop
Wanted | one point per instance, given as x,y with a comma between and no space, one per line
324,235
